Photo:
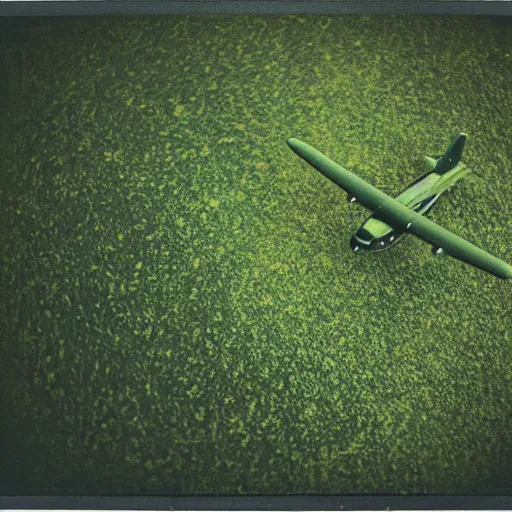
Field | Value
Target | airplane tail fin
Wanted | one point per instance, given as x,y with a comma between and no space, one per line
452,156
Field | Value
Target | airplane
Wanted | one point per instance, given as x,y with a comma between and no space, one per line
393,218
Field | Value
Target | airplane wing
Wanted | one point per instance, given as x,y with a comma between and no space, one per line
449,242
366,194
399,216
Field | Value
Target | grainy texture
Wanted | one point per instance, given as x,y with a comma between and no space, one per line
180,309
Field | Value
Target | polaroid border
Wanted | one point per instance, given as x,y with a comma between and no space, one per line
194,7
255,7
261,502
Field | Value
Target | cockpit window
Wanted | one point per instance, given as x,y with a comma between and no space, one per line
364,235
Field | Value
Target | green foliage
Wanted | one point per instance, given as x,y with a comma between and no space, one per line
178,294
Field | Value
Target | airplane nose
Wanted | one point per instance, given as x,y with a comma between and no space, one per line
354,245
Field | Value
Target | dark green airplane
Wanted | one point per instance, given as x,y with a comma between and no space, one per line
394,218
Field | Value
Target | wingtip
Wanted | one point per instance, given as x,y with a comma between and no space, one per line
296,145
506,272
292,142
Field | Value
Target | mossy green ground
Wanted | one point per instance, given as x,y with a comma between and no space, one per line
181,311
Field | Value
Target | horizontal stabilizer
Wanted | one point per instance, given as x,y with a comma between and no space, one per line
430,162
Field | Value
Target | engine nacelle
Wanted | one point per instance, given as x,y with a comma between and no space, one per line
438,251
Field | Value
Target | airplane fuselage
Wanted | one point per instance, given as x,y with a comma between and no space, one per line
421,195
